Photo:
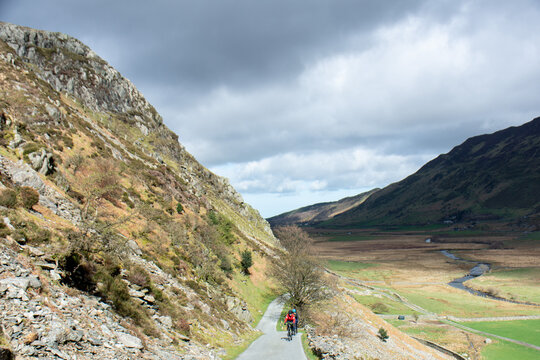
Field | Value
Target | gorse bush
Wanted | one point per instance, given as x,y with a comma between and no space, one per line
8,198
139,276
29,197
379,308
223,225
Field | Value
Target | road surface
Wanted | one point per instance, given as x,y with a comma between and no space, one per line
273,344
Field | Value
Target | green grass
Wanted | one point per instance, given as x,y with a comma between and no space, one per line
419,228
463,233
393,307
434,333
257,297
504,350
443,301
522,330
516,284
307,350
234,351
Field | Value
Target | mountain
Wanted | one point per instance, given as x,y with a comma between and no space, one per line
488,177
319,212
115,241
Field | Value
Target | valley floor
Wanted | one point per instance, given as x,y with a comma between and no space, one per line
402,274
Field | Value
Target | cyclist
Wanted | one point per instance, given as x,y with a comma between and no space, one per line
289,321
296,320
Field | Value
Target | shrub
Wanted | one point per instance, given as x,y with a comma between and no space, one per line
182,325
492,292
29,148
383,334
76,195
179,208
36,234
246,261
67,141
223,225
75,162
29,197
8,198
78,272
139,276
379,308
225,263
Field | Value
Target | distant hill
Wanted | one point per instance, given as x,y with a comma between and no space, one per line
319,212
488,177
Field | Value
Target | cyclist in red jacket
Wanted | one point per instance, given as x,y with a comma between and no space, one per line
289,320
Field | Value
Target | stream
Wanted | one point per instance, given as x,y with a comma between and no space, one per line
479,269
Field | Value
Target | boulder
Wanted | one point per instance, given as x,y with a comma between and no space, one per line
17,282
134,247
129,341
34,282
42,162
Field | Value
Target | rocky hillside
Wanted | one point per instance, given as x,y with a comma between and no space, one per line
493,177
319,212
116,243
119,115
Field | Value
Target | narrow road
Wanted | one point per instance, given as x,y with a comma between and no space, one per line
273,344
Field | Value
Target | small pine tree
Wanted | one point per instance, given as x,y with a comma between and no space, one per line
247,261
383,335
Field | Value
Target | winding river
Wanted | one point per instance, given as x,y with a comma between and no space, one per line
479,269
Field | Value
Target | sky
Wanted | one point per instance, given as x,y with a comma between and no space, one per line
305,101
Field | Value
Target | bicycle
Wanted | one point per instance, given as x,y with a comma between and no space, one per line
290,330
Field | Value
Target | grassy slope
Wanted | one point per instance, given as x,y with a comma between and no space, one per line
487,176
165,236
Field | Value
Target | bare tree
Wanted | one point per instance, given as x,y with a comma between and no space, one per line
297,269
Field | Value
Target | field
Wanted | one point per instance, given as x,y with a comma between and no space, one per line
385,265
504,350
444,335
523,330
516,284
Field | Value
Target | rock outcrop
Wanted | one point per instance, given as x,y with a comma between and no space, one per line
23,175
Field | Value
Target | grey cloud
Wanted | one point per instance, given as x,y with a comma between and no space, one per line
204,43
271,92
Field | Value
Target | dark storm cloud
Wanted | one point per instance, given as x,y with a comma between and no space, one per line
204,43
315,97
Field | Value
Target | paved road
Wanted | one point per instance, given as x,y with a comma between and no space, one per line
273,345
